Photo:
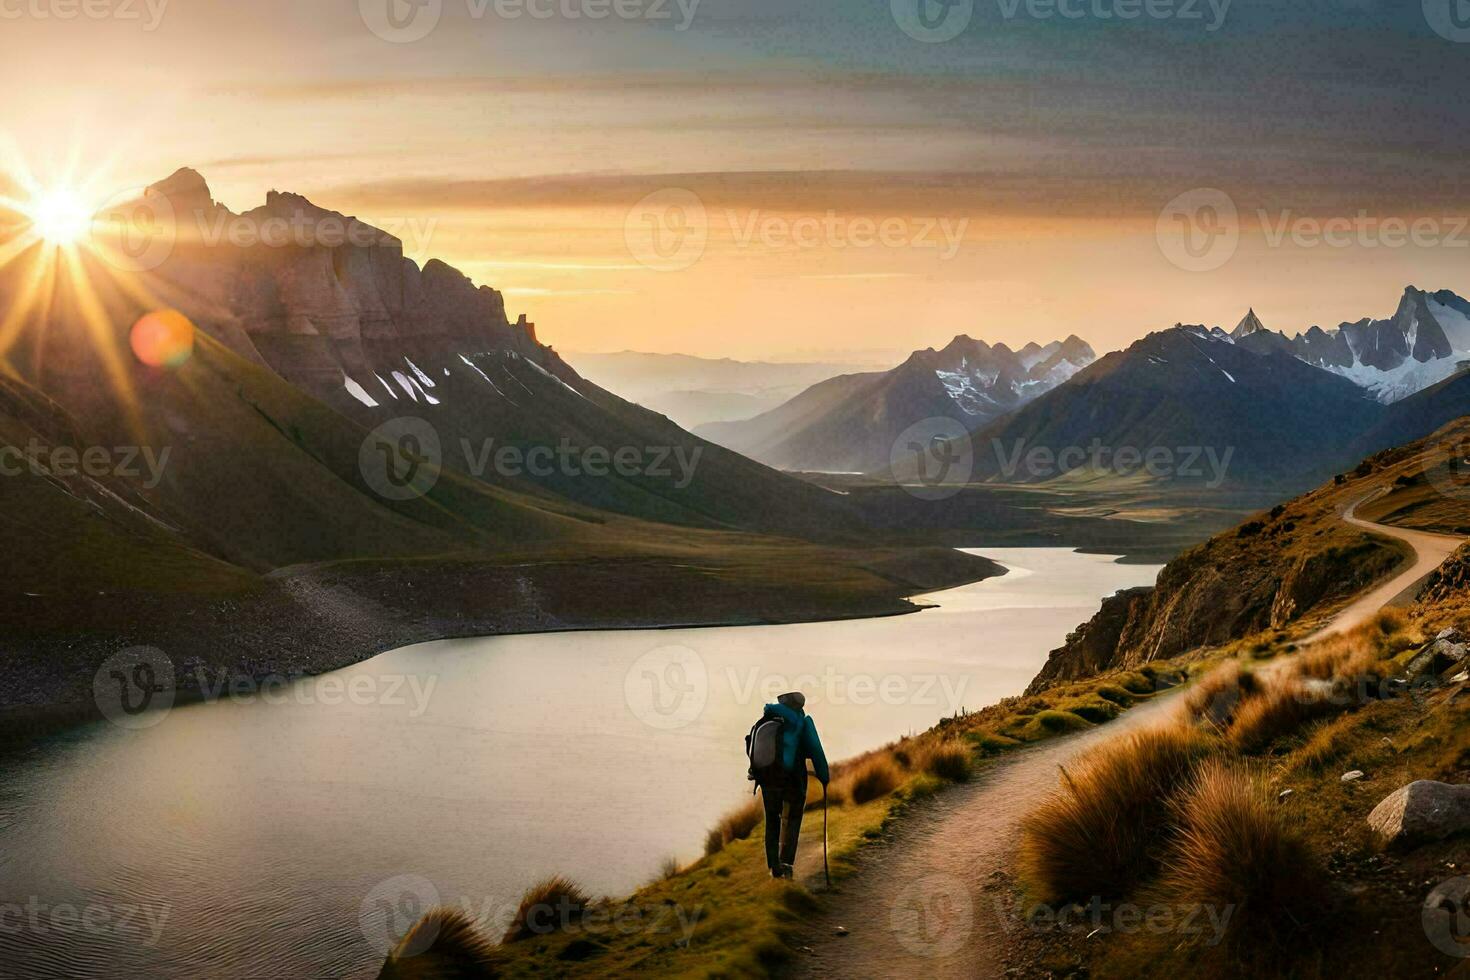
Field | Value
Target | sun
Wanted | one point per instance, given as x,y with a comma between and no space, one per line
60,216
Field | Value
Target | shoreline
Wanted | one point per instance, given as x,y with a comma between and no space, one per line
312,620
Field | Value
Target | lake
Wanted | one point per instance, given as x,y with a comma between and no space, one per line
267,834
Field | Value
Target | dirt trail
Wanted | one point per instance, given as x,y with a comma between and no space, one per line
1430,551
935,901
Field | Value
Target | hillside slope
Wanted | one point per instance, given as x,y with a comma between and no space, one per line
1285,566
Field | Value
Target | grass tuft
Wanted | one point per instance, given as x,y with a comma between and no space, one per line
1236,852
735,825
878,776
444,943
1096,834
948,760
547,907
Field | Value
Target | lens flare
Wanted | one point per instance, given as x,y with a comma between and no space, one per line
163,338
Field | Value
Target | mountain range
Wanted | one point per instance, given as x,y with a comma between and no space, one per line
849,423
1421,344
1191,393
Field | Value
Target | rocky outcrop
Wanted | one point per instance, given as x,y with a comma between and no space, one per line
1422,811
1449,581
317,295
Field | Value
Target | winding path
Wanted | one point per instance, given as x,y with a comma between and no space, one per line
935,902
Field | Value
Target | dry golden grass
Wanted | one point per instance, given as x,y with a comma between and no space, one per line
735,825
1325,743
948,760
547,907
1235,851
1096,835
444,944
1281,709
876,776
1217,696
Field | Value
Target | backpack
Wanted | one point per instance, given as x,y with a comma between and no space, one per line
763,749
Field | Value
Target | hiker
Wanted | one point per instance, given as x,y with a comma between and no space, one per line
783,782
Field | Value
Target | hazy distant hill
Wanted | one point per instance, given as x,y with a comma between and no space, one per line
693,391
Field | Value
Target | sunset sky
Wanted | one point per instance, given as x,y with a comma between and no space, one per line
1020,169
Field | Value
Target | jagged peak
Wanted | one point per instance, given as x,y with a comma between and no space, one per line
1249,324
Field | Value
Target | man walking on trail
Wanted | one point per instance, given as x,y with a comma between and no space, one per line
783,789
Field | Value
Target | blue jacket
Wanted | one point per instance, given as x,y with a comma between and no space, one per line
799,741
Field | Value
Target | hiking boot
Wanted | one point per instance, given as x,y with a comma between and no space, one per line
776,873
787,871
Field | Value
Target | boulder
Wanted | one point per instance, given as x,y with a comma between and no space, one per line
1352,777
1435,658
1449,633
1424,810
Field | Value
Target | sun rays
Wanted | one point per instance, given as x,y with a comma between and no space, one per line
65,274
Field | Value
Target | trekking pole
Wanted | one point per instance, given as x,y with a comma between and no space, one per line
825,872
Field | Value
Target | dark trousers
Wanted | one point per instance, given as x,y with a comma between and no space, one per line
785,800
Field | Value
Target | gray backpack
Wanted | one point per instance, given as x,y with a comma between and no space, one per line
763,749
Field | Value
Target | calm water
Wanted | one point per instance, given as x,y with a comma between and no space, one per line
269,836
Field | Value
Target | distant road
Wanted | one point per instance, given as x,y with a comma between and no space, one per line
1430,551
